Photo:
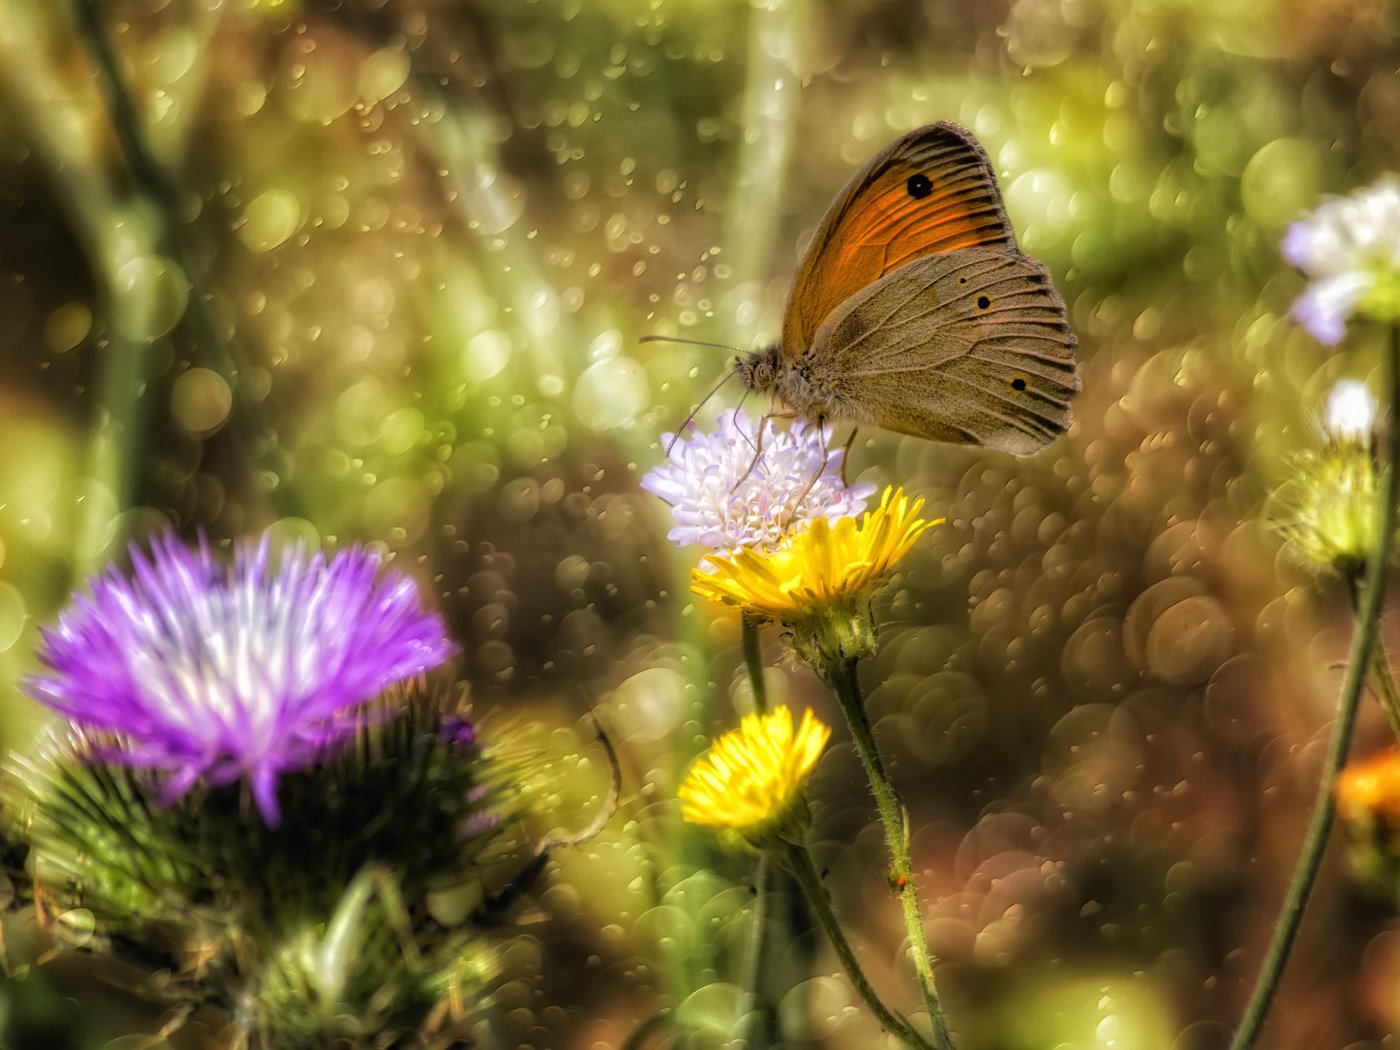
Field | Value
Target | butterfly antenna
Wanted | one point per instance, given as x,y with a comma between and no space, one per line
765,424
696,410
734,420
846,454
689,342
757,453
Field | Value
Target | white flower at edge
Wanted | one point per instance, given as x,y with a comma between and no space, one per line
728,491
1350,412
1350,248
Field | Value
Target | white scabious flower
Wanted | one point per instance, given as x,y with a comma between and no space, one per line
1350,249
728,490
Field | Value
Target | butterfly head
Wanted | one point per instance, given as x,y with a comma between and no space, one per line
759,369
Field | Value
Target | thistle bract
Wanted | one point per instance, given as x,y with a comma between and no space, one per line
327,930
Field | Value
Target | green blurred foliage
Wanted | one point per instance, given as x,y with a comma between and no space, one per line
425,239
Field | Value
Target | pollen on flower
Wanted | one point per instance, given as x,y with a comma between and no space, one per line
230,672
750,780
747,484
818,566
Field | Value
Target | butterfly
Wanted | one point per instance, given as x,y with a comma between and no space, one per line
915,311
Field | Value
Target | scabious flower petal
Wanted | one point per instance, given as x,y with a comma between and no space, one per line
747,484
750,780
822,565
1350,248
1327,303
245,671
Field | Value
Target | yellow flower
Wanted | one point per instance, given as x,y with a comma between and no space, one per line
1327,511
1370,789
750,781
821,566
818,581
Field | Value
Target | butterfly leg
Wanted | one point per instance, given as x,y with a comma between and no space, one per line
846,454
826,460
734,419
758,448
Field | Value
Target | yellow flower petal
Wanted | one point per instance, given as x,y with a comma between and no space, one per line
817,567
1370,788
751,778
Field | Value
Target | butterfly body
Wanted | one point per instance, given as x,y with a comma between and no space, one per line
915,311
792,383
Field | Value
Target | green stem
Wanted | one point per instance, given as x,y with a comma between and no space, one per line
752,972
749,1020
799,864
777,33
753,660
654,1023
846,685
1383,683
1372,594
121,109
153,183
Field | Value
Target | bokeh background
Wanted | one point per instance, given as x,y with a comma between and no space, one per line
377,270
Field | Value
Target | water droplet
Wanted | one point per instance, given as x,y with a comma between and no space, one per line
153,292
269,219
200,401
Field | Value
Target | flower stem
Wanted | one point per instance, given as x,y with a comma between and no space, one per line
1383,683
1368,611
750,1023
750,1032
753,660
798,862
846,685
777,31
162,193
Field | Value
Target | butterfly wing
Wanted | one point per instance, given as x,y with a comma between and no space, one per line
930,191
969,346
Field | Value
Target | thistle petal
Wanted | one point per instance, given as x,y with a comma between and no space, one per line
242,671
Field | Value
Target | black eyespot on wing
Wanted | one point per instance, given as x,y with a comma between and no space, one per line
962,280
919,186
1019,383
983,303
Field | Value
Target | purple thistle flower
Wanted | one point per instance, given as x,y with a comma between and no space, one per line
725,494
239,671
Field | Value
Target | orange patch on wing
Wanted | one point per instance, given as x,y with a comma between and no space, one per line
883,221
